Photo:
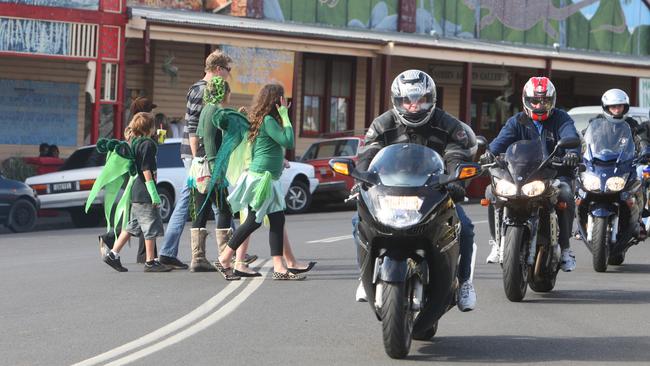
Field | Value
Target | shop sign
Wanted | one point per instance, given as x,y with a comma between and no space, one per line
255,67
74,4
644,93
446,74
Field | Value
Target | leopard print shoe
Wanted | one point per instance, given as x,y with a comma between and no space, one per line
288,276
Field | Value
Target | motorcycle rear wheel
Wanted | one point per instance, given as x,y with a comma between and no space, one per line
600,244
397,319
515,271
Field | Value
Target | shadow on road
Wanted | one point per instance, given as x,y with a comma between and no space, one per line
499,349
630,268
592,297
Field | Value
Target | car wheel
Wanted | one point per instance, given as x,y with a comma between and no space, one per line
22,216
82,219
166,203
298,198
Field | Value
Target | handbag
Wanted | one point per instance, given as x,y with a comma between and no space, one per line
200,175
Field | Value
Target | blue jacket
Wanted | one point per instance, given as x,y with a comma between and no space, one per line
520,127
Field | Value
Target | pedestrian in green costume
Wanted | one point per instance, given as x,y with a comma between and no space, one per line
259,189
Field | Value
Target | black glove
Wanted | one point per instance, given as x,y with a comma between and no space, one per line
456,192
571,160
486,158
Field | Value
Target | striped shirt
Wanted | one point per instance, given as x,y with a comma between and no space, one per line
192,114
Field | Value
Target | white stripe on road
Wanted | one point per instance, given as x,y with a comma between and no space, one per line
346,237
186,320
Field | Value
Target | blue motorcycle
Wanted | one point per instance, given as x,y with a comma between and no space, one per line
609,195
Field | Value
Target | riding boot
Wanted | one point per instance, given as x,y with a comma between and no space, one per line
199,263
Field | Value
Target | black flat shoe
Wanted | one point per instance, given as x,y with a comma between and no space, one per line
246,274
310,266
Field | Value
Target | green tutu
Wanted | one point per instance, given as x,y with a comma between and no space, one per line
258,191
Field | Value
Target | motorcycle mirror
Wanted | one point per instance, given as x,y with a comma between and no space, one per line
468,170
482,141
569,142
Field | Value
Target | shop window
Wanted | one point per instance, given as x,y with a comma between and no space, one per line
327,95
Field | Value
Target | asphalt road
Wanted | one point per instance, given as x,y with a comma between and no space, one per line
60,305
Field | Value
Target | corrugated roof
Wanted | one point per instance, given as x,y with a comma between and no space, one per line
232,23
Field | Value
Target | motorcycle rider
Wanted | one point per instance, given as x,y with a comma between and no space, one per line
540,120
616,104
415,119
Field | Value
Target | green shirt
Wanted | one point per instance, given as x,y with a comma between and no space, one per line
268,149
210,135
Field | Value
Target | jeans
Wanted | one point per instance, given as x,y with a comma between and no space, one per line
177,220
466,243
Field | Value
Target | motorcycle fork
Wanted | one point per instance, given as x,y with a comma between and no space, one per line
532,224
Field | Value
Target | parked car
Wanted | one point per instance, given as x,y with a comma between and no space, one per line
582,115
18,205
68,188
332,186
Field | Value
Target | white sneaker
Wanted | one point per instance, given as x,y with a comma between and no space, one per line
493,257
361,293
568,261
466,297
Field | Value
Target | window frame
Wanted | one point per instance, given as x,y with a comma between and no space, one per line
325,114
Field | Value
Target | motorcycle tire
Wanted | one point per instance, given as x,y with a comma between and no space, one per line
600,244
545,281
427,334
397,319
515,271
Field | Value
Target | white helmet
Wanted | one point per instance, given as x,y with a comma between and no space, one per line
538,98
615,97
414,97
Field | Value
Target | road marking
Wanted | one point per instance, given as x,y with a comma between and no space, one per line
186,320
346,237
331,240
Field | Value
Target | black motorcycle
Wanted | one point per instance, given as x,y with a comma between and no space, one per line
526,223
408,236
610,194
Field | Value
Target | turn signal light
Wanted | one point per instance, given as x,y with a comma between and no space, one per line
646,175
561,205
467,172
39,188
86,184
485,202
341,168
578,201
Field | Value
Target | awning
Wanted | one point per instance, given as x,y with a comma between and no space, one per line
208,28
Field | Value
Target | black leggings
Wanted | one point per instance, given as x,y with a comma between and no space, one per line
275,234
202,210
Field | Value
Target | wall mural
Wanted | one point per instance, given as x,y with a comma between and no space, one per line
171,4
34,36
76,4
619,26
262,66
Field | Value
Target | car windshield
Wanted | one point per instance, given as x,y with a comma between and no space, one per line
607,140
582,120
85,157
332,149
523,158
406,165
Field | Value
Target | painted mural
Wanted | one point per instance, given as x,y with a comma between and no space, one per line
75,4
48,110
619,26
34,36
196,5
259,66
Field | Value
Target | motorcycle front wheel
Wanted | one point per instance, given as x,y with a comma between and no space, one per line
600,244
515,271
397,318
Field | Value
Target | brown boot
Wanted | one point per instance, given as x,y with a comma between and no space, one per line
199,263
223,237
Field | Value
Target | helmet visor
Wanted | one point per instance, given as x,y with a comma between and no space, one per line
413,104
539,105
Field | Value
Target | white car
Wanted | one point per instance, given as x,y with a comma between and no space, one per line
68,188
582,115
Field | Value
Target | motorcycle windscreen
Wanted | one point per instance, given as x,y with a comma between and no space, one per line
406,165
523,158
609,141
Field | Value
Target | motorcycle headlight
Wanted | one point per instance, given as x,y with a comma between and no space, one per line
505,188
397,211
590,182
615,184
534,188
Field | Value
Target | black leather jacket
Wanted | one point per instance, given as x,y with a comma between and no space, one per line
452,139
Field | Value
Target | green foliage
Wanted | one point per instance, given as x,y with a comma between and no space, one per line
15,168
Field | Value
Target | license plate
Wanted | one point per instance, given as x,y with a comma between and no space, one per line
62,187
